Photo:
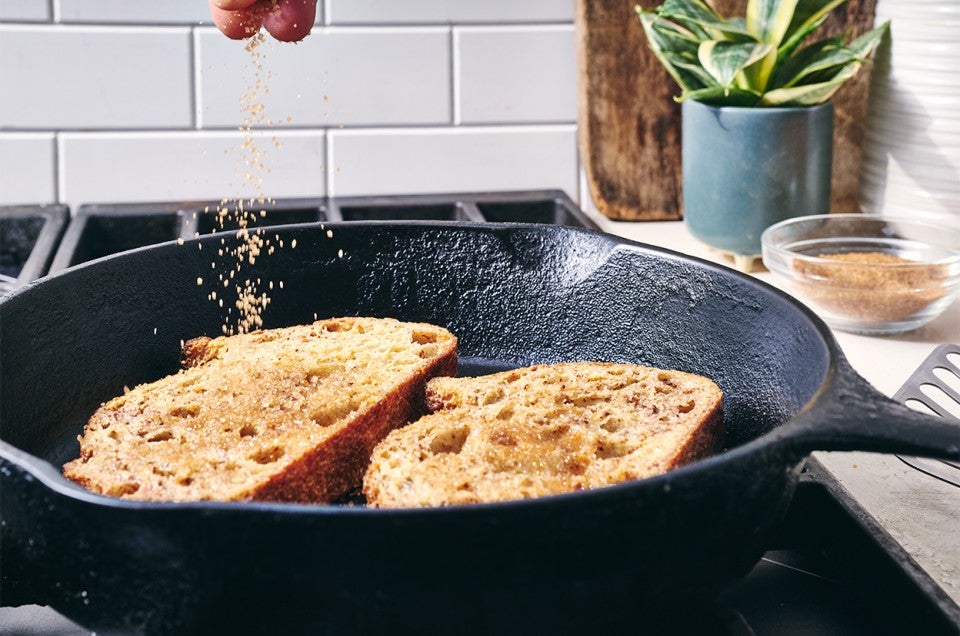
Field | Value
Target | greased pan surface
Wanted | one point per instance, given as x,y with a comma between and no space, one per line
514,295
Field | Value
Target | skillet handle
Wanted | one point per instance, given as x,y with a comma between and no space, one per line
852,415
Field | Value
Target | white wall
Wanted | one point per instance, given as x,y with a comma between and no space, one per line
138,100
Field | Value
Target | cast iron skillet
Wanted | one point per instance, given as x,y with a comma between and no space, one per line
515,295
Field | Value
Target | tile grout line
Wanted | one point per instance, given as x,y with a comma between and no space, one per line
454,76
325,17
386,128
328,161
194,74
59,172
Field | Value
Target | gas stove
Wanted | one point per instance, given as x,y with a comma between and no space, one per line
831,568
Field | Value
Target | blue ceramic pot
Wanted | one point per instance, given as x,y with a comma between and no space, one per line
745,169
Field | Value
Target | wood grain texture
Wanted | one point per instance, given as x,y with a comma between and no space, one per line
629,124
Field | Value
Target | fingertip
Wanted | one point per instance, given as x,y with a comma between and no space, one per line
287,33
236,25
290,20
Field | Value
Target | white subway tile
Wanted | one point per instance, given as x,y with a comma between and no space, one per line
448,11
94,77
27,168
25,10
335,76
133,11
414,161
112,167
516,74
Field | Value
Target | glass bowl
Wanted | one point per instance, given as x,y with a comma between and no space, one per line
866,273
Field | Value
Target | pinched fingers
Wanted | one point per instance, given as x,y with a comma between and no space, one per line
285,20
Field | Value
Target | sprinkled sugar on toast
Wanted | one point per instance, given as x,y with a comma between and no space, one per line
542,430
286,414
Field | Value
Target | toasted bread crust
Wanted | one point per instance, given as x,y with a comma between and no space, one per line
283,415
543,430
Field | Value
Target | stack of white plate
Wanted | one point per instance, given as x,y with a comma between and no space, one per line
911,162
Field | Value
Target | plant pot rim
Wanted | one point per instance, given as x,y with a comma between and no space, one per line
778,109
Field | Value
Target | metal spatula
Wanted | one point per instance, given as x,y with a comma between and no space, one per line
935,387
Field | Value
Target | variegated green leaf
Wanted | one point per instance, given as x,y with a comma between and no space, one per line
738,24
809,94
669,42
757,75
725,60
702,21
808,15
694,75
768,20
866,43
733,30
822,61
718,96
688,74
812,59
696,15
664,35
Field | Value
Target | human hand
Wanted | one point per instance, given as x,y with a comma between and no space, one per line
286,20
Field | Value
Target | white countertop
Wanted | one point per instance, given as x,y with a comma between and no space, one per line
919,512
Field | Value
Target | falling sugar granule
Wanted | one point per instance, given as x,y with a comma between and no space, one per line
245,300
242,296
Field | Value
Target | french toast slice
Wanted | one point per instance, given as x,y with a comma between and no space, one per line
543,430
287,414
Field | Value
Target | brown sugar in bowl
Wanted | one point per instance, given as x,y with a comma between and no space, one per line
866,274
860,285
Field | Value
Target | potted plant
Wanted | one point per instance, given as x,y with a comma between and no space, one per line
757,121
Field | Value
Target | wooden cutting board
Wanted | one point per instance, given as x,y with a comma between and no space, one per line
629,124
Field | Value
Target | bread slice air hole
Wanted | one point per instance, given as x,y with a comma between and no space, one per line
611,426
423,337
126,488
267,455
247,431
188,410
611,450
428,351
493,397
450,441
